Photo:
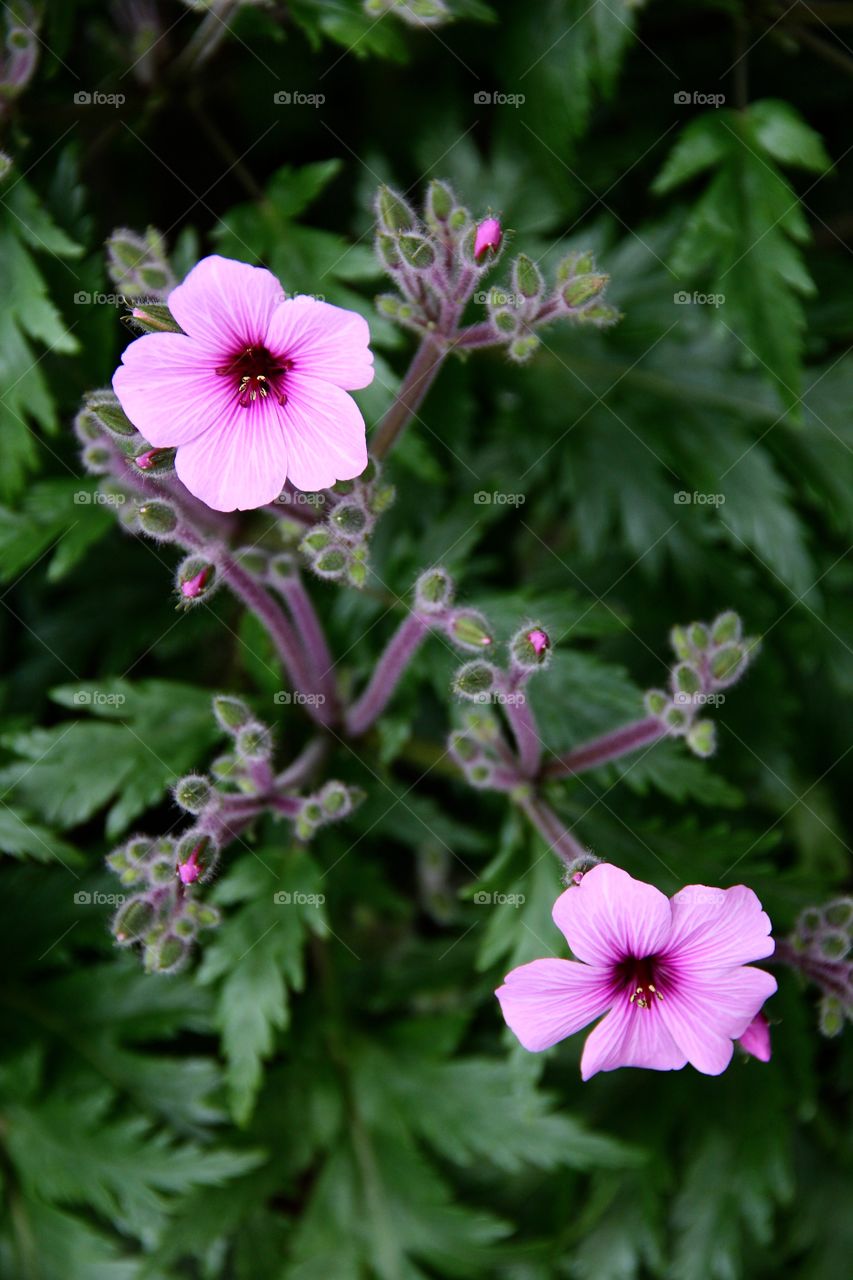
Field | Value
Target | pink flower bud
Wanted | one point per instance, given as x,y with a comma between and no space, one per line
756,1039
194,586
488,237
189,871
539,641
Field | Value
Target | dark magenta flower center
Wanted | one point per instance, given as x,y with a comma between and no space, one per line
643,980
256,374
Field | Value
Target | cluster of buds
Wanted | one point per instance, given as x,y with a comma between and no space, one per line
437,261
820,948
337,548
332,803
139,267
163,915
711,657
479,747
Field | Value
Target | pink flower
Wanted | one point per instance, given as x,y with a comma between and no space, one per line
756,1039
671,976
488,237
253,392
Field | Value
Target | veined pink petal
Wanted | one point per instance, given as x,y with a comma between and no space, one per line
323,341
714,928
756,1039
704,1014
325,432
610,915
225,304
547,1000
631,1037
239,464
169,395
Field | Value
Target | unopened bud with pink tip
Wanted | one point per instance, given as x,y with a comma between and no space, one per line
756,1039
155,461
189,871
530,648
195,579
487,238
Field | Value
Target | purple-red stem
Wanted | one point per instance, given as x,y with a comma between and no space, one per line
522,722
549,826
610,746
418,379
318,657
390,667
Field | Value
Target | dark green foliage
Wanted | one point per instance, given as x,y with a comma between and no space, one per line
327,1092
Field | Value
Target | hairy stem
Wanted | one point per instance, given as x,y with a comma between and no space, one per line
417,382
610,746
386,676
549,826
522,722
318,656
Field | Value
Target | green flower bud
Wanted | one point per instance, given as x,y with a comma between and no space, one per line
702,738
157,519
464,748
389,252
656,702
505,321
728,663
576,264
224,767
434,591
831,1016
391,304
166,954
527,278
583,289
393,211
599,314
331,563
726,628
97,458
103,408
697,634
475,680
681,643
459,219
315,541
439,202
834,945
202,914
470,630
253,560
382,498
839,914
521,349
193,792
357,573
417,252
194,580
350,519
232,713
686,679
254,741
133,918
676,720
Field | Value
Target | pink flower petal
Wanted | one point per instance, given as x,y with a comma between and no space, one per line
705,1014
756,1039
631,1037
169,394
225,304
325,433
547,1000
610,915
323,341
241,463
715,928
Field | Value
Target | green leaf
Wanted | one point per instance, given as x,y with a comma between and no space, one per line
67,773
742,234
